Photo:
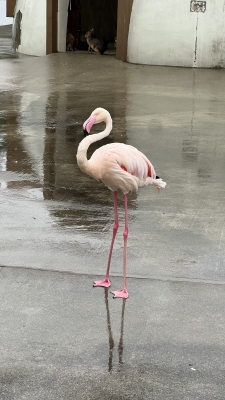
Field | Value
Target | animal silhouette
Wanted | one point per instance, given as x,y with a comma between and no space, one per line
97,45
70,42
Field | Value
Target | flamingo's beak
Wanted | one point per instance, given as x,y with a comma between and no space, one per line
88,124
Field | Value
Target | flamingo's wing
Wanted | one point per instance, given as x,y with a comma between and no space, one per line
126,157
121,166
136,163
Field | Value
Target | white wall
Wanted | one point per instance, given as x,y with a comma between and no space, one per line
211,35
3,19
33,27
164,33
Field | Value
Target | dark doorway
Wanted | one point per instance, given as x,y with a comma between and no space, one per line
84,15
73,24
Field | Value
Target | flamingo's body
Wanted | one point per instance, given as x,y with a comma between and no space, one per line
118,166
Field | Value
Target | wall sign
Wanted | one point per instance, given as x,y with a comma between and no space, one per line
198,6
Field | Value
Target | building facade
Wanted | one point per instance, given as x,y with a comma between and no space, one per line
188,33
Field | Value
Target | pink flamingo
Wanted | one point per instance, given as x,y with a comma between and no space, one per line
118,166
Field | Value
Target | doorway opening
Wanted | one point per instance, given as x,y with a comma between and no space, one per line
84,15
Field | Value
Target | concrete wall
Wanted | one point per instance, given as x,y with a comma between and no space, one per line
3,19
211,36
165,32
33,27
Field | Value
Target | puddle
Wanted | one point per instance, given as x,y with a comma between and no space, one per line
174,116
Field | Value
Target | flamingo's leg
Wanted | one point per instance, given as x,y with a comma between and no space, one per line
123,292
106,282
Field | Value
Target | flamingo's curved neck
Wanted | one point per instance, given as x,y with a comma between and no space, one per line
82,160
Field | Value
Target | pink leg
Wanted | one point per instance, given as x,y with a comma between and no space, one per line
106,282
123,292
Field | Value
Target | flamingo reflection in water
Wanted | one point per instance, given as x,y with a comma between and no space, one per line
111,341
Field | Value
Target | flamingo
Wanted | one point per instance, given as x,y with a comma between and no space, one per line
118,166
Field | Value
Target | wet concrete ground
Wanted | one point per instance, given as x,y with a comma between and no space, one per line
6,50
60,337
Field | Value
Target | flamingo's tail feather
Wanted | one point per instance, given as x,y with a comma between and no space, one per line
159,183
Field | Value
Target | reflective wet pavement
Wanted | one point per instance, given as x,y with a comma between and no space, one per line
62,339
53,217
6,50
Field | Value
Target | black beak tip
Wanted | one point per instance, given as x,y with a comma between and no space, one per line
85,132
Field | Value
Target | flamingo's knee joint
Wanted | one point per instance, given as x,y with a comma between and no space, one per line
115,227
125,234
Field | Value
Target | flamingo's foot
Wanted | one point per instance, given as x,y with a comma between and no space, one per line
104,283
123,293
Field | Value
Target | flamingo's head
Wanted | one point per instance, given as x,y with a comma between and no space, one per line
97,116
